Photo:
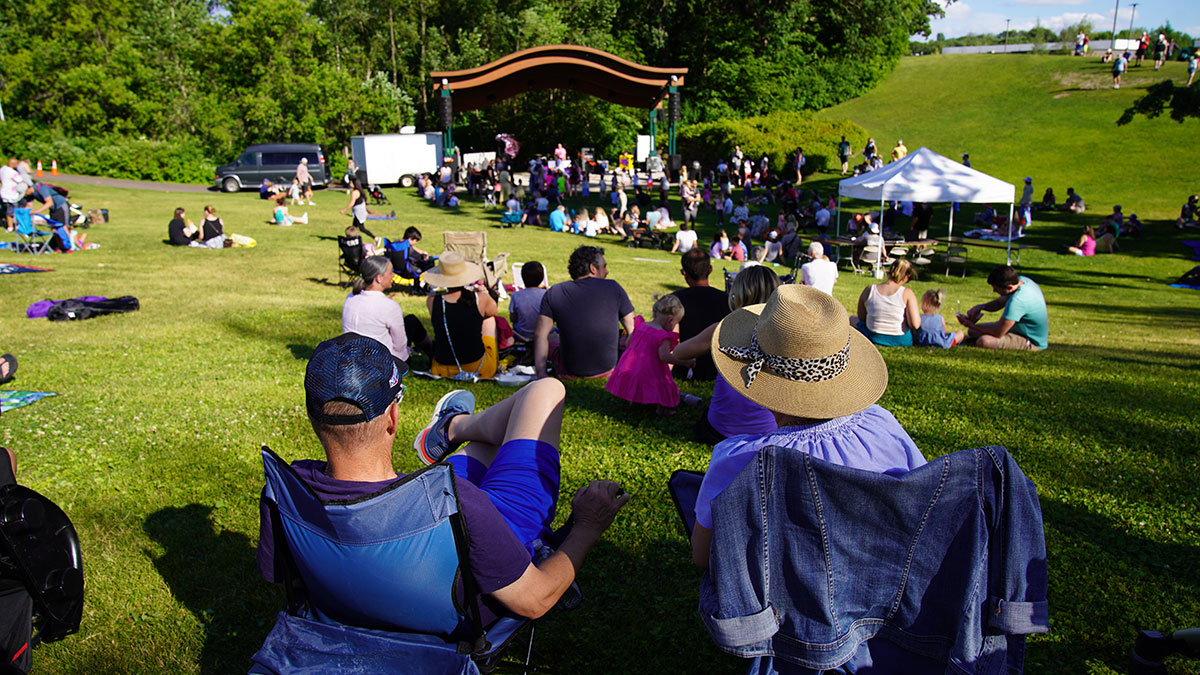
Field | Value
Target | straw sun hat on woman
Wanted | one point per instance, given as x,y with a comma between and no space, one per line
797,355
453,271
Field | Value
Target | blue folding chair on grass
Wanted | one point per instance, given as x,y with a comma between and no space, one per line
29,238
370,582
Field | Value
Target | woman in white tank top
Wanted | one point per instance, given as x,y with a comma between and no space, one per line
888,312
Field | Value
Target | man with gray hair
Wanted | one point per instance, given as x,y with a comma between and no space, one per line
819,272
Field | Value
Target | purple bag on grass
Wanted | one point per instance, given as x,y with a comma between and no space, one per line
41,308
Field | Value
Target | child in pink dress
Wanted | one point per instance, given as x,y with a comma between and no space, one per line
643,373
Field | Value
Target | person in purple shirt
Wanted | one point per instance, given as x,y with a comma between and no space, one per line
525,305
505,461
798,357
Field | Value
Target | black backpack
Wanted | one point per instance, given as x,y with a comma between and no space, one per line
74,310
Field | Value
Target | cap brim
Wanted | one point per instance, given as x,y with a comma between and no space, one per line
857,387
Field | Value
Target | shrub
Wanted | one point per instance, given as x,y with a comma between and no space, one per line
181,160
777,134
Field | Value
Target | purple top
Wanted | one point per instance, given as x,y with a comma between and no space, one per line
932,332
732,414
871,440
493,553
524,309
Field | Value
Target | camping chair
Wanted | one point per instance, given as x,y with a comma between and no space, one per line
952,569
396,613
956,254
29,238
350,259
868,257
473,247
1153,647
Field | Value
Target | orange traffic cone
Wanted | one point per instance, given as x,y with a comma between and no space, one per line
54,167
39,169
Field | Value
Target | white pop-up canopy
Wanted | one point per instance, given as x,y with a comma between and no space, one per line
925,176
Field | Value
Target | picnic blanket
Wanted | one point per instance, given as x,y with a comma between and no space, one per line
991,235
9,268
1195,246
1190,279
17,398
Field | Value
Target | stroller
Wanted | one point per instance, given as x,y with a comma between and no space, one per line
377,195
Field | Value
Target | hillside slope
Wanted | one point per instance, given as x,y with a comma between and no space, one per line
1049,117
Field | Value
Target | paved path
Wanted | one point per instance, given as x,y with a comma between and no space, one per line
132,184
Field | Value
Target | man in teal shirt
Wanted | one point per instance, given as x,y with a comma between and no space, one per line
1024,323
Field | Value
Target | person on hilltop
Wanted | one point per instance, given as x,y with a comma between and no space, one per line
844,151
1189,214
1160,51
590,310
900,151
1192,65
1118,69
1024,323
180,231
1074,203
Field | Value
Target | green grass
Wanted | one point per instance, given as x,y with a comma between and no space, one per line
152,444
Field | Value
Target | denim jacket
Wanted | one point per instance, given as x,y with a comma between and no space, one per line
811,559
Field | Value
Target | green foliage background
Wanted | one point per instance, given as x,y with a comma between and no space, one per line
104,81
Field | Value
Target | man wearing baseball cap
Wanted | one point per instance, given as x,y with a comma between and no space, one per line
505,462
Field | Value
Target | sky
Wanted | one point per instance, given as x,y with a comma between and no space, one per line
987,16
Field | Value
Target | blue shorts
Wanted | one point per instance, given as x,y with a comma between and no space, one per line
522,483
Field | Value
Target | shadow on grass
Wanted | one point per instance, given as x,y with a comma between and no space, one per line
324,281
212,572
1182,317
1099,569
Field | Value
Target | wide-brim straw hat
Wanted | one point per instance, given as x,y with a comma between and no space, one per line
452,271
797,354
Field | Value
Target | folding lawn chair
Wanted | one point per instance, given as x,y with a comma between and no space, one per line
951,575
473,246
397,611
350,257
29,238
957,255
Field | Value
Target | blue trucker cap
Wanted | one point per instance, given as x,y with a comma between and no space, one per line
355,369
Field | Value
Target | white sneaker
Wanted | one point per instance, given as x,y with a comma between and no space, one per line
312,204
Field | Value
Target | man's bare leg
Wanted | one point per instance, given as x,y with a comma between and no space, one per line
534,412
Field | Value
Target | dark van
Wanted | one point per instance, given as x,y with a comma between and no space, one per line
274,161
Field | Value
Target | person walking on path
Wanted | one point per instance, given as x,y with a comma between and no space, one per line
900,151
306,181
844,153
1118,69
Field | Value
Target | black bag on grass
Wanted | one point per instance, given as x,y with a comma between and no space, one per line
74,310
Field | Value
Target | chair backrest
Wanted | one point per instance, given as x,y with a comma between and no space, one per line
386,561
24,221
869,254
950,562
956,250
352,251
472,245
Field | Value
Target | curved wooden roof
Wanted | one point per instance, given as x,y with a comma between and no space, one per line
583,69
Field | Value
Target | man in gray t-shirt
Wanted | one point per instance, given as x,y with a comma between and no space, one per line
589,311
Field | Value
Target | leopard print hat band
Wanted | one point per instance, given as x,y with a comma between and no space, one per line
794,369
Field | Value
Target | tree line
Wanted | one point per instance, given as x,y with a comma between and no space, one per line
211,76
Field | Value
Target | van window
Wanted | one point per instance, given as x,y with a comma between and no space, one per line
281,158
248,159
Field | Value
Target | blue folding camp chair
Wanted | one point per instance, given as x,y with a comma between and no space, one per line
370,582
29,238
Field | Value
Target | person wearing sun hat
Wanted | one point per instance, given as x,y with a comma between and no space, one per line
797,356
463,317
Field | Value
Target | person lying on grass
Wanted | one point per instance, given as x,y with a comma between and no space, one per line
506,472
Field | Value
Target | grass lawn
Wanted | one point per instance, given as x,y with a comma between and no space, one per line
152,443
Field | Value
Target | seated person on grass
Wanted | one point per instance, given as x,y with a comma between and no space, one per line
1189,213
590,310
1074,202
1024,323
180,231
525,304
506,467
821,390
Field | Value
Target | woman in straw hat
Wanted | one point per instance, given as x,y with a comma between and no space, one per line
797,356
463,317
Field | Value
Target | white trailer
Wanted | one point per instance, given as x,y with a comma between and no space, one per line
397,159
